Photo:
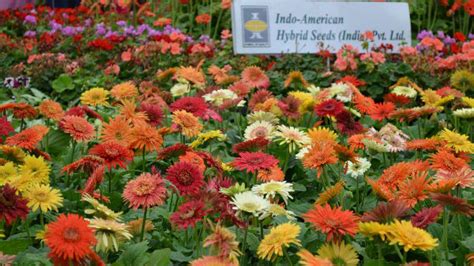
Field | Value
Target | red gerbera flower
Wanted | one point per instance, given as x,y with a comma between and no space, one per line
86,164
113,154
78,128
380,111
347,125
5,127
173,151
329,107
12,206
186,177
83,111
69,238
336,223
194,105
153,112
254,161
290,107
396,99
188,214
145,191
426,216
386,212
256,144
94,180
24,111
28,138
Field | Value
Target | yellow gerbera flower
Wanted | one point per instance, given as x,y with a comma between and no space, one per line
322,134
306,98
109,234
374,229
459,142
12,153
44,197
206,136
468,101
95,96
403,233
6,171
36,169
280,237
308,259
338,253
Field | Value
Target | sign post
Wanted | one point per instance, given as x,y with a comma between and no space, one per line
302,26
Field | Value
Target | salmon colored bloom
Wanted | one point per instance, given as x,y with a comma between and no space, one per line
188,214
203,19
334,222
29,138
51,109
191,74
78,128
255,77
308,259
271,174
254,161
187,123
147,190
113,153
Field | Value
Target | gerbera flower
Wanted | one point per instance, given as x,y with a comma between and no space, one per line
308,259
86,164
99,210
404,91
12,205
12,153
130,113
464,176
5,127
24,111
335,223
188,214
346,124
124,90
83,111
380,111
194,159
113,153
43,197
147,190
459,142
455,204
464,113
212,261
329,193
36,169
223,243
256,144
69,238
398,100
194,105
262,116
117,129
271,174
279,238
220,97
240,88
6,171
374,229
207,136
109,233
329,107
249,202
255,77
187,178
145,137
95,96
272,188
259,129
322,134
51,109
423,144
254,161
153,112
78,128
426,216
191,74
135,226
291,136
187,123
403,233
358,168
29,138
297,78
290,106
174,150
413,190
318,156
339,253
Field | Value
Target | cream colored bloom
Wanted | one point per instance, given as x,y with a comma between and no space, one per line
404,91
464,113
293,137
218,97
273,188
259,129
180,89
359,168
249,202
262,116
109,234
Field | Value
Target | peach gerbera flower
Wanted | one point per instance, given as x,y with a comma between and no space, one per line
51,109
118,129
144,136
187,123
124,90
255,77
77,127
191,74
147,190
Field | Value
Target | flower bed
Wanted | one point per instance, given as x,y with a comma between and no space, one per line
142,145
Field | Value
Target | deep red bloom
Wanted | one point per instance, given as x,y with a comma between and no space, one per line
290,107
173,151
188,214
153,112
256,144
459,36
254,161
5,127
396,99
347,125
380,111
102,44
329,108
83,111
426,216
194,105
386,212
12,206
186,177
113,154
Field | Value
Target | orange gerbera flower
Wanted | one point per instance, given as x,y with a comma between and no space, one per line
355,141
51,109
308,259
28,138
447,161
118,130
168,73
69,238
335,223
20,110
77,127
125,90
322,134
380,111
423,144
191,74
320,155
194,159
362,103
128,111
186,122
144,136
255,77
271,174
296,77
414,189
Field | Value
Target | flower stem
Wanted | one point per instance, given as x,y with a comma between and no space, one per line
402,258
445,233
143,160
41,219
287,257
244,244
143,224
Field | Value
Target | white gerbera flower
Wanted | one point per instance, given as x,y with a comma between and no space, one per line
180,89
272,188
259,129
342,92
404,91
359,168
464,113
262,116
250,202
218,97
313,89
291,136
302,152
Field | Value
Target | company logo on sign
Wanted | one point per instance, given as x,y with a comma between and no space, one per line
255,26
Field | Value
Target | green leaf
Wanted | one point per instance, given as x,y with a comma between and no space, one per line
62,83
14,246
179,257
160,257
469,243
33,256
134,254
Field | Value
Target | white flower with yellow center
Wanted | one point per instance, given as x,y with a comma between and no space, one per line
259,129
313,89
302,152
359,167
273,188
218,97
249,202
262,116
404,91
342,92
292,136
180,89
464,113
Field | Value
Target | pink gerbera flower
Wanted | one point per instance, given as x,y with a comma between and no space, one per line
254,161
145,191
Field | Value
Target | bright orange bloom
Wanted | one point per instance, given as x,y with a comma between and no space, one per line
255,77
203,19
320,155
20,110
128,111
186,122
335,223
308,259
296,76
125,90
69,238
362,103
113,153
380,111
193,159
118,130
191,74
414,189
355,141
271,174
51,109
447,161
77,127
423,144
144,136
28,138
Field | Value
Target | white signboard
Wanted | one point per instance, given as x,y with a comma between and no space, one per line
301,26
